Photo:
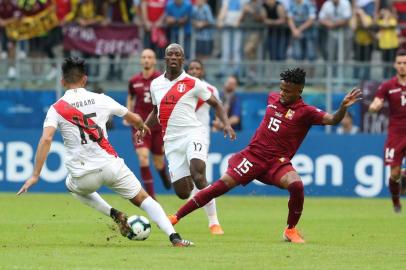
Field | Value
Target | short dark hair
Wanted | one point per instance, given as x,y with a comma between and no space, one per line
295,75
401,52
73,69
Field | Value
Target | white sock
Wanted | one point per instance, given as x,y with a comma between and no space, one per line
157,214
210,209
95,201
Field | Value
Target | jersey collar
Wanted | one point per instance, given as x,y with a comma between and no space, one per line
181,77
74,91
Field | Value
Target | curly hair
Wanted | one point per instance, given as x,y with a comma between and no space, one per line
73,69
295,75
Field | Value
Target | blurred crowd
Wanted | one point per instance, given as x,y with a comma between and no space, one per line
230,30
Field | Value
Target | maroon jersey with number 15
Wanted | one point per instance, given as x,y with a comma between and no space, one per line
275,142
138,88
283,128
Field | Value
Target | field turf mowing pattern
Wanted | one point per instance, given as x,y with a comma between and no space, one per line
54,231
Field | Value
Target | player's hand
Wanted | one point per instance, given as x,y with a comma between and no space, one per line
141,132
31,181
228,130
352,97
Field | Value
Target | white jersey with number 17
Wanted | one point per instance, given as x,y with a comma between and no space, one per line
81,117
176,101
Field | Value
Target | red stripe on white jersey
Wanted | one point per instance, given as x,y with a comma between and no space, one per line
68,112
200,102
171,98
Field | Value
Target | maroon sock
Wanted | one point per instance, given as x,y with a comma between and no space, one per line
148,182
295,204
394,188
202,198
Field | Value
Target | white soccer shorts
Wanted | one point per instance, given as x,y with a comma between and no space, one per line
180,151
115,175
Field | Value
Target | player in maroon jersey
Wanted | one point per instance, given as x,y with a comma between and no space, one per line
267,157
139,101
394,91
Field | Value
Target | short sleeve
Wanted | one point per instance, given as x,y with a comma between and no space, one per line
324,11
314,115
201,91
51,120
115,107
152,91
381,92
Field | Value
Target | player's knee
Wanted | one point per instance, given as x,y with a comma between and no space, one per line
183,194
144,162
158,163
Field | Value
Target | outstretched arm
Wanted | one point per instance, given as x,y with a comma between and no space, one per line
41,155
376,105
136,121
349,99
221,114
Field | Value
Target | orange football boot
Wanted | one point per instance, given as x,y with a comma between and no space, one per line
293,235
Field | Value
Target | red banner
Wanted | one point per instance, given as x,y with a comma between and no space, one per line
102,40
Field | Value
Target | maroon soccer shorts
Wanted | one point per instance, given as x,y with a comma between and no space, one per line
395,150
243,167
154,142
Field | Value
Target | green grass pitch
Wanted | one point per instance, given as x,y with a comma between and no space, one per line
54,231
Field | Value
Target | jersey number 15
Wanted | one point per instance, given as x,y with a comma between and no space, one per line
83,123
274,124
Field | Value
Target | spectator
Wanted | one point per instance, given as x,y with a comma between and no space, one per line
116,12
388,41
399,8
203,20
65,11
363,43
231,35
251,19
347,126
8,13
153,15
301,16
40,46
178,17
335,16
370,7
232,105
278,36
90,12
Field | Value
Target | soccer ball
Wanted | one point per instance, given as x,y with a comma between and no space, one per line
140,226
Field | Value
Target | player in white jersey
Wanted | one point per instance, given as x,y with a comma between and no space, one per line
196,69
175,95
91,161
